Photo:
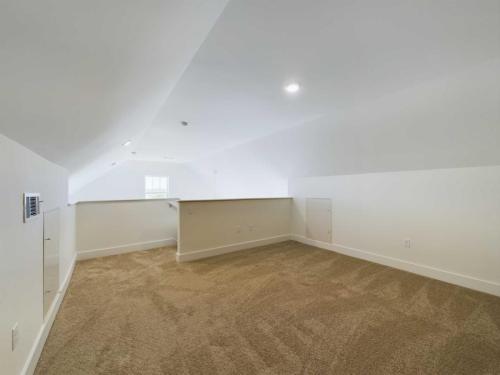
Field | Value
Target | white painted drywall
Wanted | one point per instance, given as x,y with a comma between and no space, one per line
106,228
447,122
21,251
126,181
342,53
219,176
51,236
214,226
241,173
452,216
451,121
67,240
318,219
79,78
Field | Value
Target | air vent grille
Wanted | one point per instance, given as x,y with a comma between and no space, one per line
31,205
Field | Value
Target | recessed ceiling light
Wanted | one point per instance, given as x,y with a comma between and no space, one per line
127,143
113,163
292,88
184,123
133,152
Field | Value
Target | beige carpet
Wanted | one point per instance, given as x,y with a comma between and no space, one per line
280,309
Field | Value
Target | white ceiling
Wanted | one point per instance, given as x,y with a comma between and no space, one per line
343,53
78,78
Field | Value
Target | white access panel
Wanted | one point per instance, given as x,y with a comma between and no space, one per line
50,258
319,219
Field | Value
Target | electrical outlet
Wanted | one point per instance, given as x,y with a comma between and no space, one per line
407,243
15,336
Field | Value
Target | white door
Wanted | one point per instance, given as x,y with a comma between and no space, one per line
319,219
50,258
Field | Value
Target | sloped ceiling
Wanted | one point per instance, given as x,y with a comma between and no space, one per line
449,122
81,77
345,54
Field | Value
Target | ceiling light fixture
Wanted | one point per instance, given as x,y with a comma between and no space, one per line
113,163
184,123
292,88
127,143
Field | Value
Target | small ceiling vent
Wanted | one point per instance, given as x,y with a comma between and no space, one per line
31,205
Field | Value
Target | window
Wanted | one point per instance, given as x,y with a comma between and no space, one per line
156,187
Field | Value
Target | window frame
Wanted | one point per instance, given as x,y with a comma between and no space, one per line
156,187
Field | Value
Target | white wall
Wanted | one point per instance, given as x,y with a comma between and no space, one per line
67,243
219,176
108,228
21,251
126,181
452,217
213,227
242,172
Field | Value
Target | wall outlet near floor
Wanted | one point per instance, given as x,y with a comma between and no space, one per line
407,243
15,336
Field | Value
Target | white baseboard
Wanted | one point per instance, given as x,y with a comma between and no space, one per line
420,269
36,349
206,253
122,249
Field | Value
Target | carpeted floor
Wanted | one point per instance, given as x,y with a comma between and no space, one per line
279,309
